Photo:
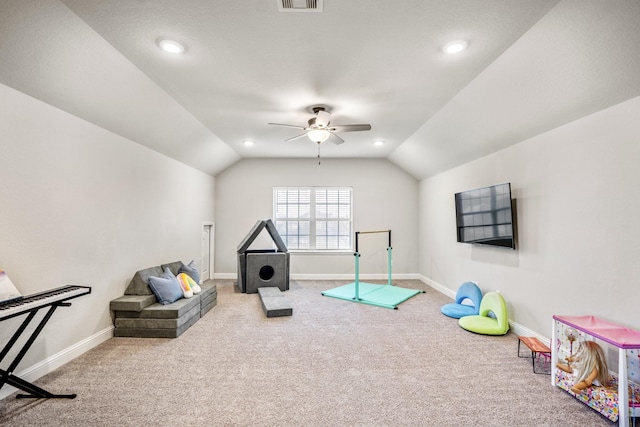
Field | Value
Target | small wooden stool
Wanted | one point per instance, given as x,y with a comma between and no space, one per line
537,347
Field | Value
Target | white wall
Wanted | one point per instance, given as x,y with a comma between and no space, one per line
81,205
384,197
578,202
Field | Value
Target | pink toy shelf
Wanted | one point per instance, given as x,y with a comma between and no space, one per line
621,400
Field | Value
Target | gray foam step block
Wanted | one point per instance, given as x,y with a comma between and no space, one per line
205,309
274,303
150,323
270,291
132,302
208,287
155,333
174,310
208,299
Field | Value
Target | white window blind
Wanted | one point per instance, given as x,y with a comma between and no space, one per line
314,218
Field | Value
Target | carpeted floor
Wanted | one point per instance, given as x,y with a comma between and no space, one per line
333,363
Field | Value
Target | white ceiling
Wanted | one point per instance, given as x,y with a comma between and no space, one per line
530,66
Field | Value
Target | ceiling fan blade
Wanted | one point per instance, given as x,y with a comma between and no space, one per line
349,128
289,126
323,118
336,139
295,137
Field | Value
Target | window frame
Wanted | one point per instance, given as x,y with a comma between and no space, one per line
313,220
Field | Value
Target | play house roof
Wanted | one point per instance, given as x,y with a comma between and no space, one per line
255,231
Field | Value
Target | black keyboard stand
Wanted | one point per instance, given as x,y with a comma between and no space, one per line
7,377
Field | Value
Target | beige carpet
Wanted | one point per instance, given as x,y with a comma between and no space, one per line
333,363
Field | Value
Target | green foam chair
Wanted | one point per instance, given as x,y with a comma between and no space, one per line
492,318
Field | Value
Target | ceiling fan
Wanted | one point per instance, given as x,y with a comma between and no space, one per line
319,128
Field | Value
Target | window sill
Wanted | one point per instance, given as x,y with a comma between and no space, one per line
320,252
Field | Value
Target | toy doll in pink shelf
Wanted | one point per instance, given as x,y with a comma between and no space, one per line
588,366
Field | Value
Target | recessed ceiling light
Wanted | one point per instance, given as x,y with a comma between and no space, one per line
455,46
248,143
171,46
378,143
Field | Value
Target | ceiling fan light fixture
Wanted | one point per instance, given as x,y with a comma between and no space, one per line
318,135
171,46
455,46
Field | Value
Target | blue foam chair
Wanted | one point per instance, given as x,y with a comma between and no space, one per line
467,291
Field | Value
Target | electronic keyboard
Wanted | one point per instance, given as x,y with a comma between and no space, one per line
49,300
16,307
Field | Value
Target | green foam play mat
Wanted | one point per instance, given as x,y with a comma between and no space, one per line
387,296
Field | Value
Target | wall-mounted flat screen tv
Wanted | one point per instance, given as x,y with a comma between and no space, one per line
485,216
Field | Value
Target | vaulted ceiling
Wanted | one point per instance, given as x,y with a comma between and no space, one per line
530,66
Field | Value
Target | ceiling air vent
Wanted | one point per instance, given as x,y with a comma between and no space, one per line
299,5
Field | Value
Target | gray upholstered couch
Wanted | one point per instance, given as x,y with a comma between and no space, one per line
138,313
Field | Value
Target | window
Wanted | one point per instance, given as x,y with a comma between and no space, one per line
314,218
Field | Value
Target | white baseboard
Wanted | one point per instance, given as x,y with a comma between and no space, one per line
523,331
437,286
51,363
381,276
55,361
516,328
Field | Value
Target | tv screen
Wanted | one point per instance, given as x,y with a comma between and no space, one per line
485,216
